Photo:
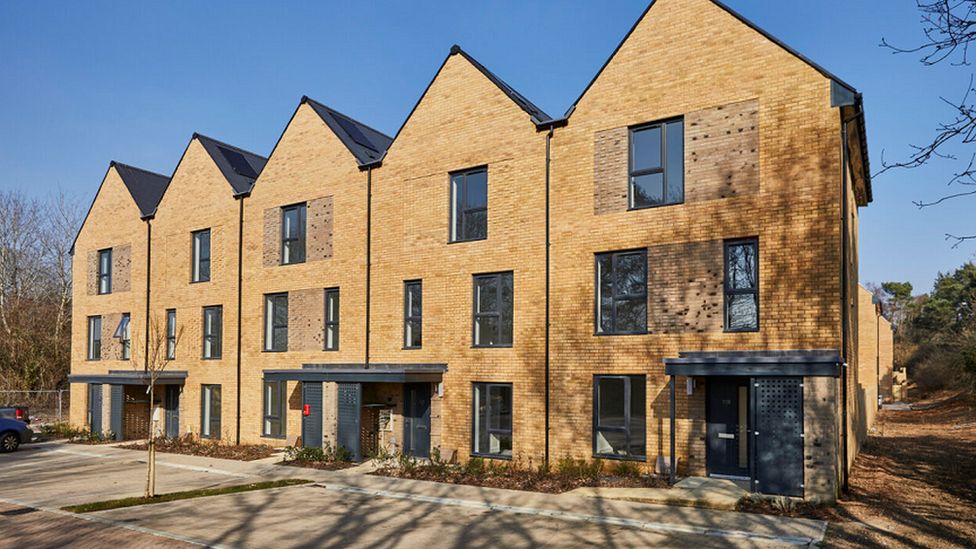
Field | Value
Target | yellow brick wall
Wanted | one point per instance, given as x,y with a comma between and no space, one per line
680,59
464,121
308,163
866,394
113,222
198,197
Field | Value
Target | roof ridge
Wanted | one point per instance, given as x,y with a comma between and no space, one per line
308,99
518,97
137,168
198,135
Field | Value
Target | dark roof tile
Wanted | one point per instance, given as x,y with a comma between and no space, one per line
365,143
240,167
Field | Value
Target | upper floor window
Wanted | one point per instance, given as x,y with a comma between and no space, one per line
657,164
469,205
94,338
493,310
412,314
171,334
212,331
293,234
276,322
201,256
621,292
742,285
124,334
105,271
332,319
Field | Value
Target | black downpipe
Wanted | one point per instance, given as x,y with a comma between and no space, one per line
145,364
369,249
844,275
548,245
240,281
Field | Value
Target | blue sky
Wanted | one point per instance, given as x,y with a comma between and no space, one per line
88,82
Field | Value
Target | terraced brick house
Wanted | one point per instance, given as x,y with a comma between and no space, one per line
666,274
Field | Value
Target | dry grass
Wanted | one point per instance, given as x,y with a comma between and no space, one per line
914,483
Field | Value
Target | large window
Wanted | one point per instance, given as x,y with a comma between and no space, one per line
469,205
124,334
212,331
276,322
210,411
742,285
619,415
274,409
293,234
201,256
621,292
332,319
105,271
493,310
492,416
171,334
657,164
94,338
412,314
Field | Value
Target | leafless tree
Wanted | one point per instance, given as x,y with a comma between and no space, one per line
35,289
949,27
154,364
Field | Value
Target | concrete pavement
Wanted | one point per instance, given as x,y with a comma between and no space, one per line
349,509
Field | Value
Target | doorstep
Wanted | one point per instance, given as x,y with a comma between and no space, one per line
711,493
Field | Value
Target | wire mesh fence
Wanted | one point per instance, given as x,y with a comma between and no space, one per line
43,406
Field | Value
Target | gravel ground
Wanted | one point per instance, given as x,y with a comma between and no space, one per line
914,483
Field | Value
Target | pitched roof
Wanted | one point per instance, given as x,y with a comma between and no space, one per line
240,167
731,12
365,143
537,115
146,187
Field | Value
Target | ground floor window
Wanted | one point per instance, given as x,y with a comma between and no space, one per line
492,429
210,412
619,417
274,409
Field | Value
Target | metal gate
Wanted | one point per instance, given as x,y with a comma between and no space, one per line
172,411
115,421
778,434
350,402
95,407
312,414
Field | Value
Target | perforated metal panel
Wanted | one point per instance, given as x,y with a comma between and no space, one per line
778,435
350,396
312,423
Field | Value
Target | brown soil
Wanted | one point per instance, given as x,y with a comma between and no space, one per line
323,465
914,483
519,479
194,447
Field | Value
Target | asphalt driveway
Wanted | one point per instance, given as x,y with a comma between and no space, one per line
349,509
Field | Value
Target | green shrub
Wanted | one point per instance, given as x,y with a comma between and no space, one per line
579,468
626,469
475,466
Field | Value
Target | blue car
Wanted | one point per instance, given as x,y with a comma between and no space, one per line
13,433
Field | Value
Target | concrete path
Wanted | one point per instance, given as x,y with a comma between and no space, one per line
710,493
349,509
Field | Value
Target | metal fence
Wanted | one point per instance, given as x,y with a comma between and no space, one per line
45,406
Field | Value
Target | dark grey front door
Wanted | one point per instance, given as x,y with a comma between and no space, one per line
350,407
416,419
727,413
779,435
95,407
172,411
115,407
312,414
